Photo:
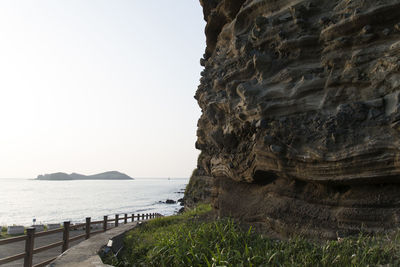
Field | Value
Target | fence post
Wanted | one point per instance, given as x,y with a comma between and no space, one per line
138,216
133,217
126,218
143,216
116,220
66,236
105,223
29,243
147,216
87,228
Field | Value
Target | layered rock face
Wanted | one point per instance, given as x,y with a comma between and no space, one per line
300,114
198,191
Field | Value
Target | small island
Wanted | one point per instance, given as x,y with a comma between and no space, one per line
61,176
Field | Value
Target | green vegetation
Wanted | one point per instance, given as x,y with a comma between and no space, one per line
190,240
3,233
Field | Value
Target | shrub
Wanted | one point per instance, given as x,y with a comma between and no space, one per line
187,240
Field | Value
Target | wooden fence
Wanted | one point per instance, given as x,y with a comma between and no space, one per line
30,236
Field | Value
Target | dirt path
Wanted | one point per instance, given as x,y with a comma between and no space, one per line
19,247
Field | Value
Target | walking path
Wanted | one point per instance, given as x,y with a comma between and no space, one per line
85,254
19,247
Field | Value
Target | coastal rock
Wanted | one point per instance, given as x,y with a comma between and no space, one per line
181,201
198,189
300,114
170,201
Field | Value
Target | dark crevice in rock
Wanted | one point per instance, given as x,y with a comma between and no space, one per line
264,177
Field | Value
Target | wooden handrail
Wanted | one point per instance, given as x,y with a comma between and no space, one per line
65,237
12,258
87,228
29,245
29,238
75,226
44,248
12,240
72,239
96,232
105,218
50,232
44,263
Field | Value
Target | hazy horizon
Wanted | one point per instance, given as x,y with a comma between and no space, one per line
93,86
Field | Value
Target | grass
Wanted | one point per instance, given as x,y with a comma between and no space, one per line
189,240
3,233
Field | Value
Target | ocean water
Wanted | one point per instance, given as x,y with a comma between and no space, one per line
22,200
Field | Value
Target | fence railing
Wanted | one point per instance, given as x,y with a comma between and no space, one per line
30,236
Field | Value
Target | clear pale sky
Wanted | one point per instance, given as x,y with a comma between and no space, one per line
95,85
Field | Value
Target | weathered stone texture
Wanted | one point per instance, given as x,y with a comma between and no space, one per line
300,113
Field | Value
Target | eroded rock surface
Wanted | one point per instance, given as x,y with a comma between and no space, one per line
199,190
300,113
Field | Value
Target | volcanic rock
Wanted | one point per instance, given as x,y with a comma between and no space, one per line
199,189
300,124
170,201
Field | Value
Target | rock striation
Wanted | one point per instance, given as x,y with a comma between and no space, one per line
300,123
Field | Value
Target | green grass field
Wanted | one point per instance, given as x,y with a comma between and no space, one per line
190,240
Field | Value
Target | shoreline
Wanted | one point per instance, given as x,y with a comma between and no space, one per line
55,202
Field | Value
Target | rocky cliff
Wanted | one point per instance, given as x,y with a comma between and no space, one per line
300,114
198,190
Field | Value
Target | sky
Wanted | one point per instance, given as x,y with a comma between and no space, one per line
90,86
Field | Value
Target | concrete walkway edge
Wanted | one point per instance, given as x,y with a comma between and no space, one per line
85,254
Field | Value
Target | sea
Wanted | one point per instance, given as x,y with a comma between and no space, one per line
23,201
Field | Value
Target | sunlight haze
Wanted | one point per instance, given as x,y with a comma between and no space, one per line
90,85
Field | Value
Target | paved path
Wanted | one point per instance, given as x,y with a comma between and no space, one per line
19,247
85,254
